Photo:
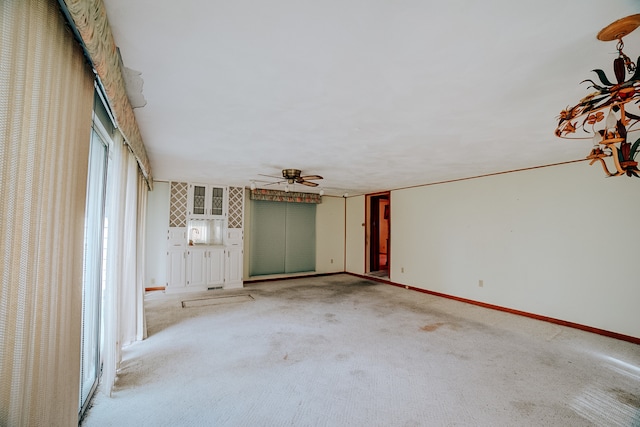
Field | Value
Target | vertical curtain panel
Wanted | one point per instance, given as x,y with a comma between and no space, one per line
124,290
141,230
116,267
46,100
128,283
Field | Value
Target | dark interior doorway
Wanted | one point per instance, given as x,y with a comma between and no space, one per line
379,234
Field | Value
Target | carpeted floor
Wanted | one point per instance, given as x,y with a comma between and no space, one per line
343,351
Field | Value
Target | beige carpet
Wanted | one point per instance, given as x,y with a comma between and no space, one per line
216,300
342,351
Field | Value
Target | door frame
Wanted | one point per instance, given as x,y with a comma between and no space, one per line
373,219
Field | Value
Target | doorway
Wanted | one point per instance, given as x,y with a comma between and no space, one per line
379,234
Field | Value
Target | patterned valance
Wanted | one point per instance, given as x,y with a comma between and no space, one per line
282,196
90,20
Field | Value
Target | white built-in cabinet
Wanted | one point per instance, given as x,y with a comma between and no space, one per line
234,267
205,266
176,257
194,264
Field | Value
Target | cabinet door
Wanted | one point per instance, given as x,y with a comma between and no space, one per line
215,261
234,236
233,267
176,237
197,202
175,267
196,267
206,201
216,202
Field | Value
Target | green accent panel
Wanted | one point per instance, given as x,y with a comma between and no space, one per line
300,240
267,238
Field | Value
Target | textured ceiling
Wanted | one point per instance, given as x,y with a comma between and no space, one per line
371,95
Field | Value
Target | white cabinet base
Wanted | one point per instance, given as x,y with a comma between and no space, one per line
233,267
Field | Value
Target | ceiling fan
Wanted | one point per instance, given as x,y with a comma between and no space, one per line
293,176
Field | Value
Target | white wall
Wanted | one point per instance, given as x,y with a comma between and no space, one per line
554,241
330,235
156,234
355,220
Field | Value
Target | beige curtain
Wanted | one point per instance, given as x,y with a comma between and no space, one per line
141,321
46,100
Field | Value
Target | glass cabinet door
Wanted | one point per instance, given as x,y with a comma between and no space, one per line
199,195
217,199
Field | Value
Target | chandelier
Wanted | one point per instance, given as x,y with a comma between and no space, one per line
608,115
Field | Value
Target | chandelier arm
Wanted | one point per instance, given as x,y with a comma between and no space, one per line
616,159
604,166
623,116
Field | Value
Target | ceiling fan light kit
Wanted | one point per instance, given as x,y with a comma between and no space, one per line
608,115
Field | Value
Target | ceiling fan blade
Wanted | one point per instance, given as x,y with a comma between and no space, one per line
308,177
309,183
271,176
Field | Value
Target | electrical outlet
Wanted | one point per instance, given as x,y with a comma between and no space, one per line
481,283
153,281
401,269
331,260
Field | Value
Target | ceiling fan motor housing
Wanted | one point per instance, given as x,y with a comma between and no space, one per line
291,175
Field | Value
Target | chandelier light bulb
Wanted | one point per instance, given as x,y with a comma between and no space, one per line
253,185
286,188
321,192
596,139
